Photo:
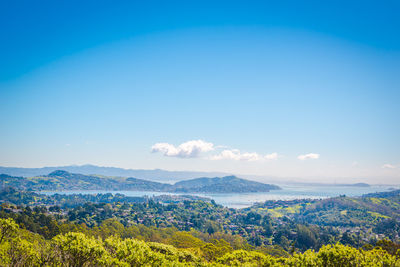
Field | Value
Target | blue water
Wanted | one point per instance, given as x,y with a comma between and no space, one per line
242,200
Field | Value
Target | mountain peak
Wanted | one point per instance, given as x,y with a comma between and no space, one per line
230,177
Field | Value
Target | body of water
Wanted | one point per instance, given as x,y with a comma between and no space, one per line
242,200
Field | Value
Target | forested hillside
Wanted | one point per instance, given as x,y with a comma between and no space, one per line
63,180
107,247
275,232
228,184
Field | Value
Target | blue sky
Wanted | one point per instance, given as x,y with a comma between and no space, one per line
273,88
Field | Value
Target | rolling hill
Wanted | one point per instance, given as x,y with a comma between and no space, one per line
228,184
60,180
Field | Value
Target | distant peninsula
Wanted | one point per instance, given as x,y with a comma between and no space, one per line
60,180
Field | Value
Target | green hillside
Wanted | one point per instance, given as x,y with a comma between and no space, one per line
62,180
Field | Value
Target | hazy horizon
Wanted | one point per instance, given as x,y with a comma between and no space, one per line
255,177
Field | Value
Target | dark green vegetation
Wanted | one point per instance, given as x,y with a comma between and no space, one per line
116,230
273,229
106,246
62,180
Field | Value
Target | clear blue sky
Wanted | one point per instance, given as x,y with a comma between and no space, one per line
305,89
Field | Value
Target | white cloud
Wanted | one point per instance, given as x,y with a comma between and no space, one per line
235,154
271,156
193,149
308,156
388,166
190,149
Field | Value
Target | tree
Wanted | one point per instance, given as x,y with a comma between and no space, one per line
305,237
77,249
184,240
8,229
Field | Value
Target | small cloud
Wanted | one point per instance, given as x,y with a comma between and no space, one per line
235,154
388,166
190,149
67,145
308,156
271,156
355,163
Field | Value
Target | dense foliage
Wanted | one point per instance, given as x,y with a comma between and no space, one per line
115,230
19,247
273,226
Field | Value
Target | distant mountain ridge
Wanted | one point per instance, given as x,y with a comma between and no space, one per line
61,180
157,175
154,175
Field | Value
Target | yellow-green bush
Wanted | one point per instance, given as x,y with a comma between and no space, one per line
19,247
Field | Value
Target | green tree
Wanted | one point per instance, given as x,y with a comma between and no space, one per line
8,229
76,249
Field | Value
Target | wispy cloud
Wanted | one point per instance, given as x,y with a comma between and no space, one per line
308,156
190,149
235,154
388,166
